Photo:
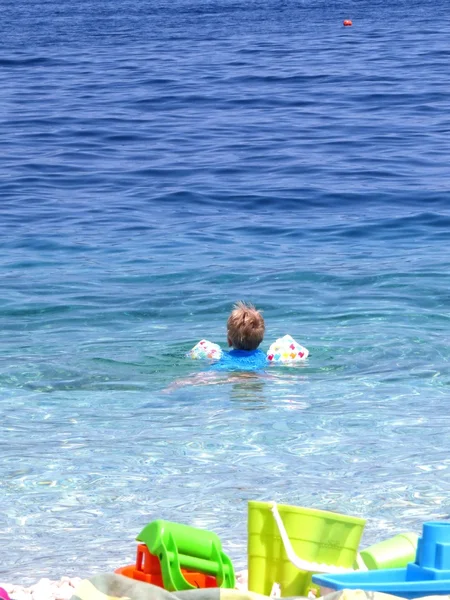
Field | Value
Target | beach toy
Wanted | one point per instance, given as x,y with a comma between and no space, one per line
181,558
428,575
3,594
287,544
286,350
148,569
347,23
205,350
392,553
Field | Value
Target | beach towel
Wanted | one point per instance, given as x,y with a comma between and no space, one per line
117,587
3,594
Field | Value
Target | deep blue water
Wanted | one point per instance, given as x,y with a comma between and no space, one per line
160,160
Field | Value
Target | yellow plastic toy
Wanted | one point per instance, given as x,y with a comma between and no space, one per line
287,544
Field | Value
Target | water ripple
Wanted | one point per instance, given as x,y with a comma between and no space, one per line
161,161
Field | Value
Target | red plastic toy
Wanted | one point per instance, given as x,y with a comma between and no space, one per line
148,569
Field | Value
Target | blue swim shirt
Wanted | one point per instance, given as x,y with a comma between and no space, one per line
241,360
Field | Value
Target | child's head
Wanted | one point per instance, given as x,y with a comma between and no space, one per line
245,327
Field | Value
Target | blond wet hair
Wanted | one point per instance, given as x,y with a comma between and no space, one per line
245,327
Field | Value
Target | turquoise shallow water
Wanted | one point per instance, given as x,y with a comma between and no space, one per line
159,163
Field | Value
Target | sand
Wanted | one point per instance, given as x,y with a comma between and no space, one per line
46,589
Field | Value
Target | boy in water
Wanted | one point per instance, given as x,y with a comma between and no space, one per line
245,332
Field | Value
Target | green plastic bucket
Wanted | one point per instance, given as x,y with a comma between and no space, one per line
394,553
316,536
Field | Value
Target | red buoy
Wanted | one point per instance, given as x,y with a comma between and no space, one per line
347,23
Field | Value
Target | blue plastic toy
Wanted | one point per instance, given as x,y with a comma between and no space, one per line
428,575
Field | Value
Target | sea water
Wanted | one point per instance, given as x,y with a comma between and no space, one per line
161,160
